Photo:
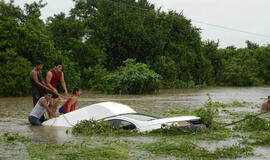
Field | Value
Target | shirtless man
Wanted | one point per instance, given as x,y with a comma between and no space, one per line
266,105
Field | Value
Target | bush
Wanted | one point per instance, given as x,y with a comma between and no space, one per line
93,77
14,74
253,124
207,113
134,78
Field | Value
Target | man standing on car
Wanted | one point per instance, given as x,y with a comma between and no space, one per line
37,83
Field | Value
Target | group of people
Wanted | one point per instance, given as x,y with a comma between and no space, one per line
46,96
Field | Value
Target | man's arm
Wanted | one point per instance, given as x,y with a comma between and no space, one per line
63,83
48,80
34,76
43,103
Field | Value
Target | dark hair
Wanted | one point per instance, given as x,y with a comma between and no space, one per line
38,62
47,92
76,89
268,97
57,63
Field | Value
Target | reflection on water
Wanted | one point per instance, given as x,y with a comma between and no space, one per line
51,135
14,111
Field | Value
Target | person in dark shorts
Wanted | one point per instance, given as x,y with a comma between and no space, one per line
36,116
70,104
37,83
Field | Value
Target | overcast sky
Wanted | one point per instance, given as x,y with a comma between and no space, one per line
232,22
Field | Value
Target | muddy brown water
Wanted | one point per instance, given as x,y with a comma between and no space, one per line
14,111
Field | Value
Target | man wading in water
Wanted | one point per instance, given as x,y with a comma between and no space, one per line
36,116
266,105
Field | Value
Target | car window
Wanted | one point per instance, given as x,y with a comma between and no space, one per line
140,117
122,124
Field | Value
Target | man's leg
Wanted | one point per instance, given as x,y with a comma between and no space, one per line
34,121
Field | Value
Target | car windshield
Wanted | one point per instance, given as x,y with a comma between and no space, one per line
140,117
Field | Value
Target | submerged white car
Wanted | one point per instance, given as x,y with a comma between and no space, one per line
123,116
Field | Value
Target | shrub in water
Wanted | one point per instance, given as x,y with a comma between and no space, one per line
170,130
12,137
134,78
92,127
207,113
253,124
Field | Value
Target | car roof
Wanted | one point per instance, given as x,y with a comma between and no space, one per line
107,109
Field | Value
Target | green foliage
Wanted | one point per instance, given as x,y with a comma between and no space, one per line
14,137
14,74
93,127
77,151
107,33
207,113
167,130
179,112
190,150
93,77
253,124
215,134
134,78
257,138
167,68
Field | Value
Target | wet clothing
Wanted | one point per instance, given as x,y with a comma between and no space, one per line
36,90
64,108
61,110
36,116
55,78
54,81
35,121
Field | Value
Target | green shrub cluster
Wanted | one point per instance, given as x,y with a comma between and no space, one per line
14,74
133,78
189,150
253,124
92,127
208,113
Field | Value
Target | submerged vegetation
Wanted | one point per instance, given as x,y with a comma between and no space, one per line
100,140
83,150
190,150
14,137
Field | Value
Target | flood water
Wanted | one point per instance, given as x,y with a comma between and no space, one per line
14,111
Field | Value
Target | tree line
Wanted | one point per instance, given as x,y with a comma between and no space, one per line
120,47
